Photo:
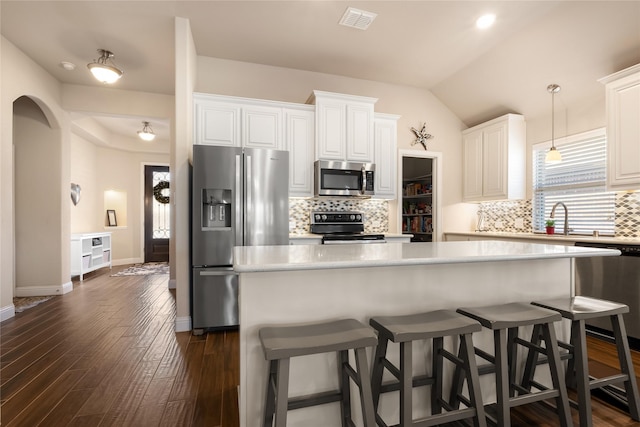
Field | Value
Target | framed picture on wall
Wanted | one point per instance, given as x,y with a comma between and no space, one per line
111,218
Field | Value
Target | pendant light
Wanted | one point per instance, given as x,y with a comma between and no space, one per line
103,72
553,156
146,133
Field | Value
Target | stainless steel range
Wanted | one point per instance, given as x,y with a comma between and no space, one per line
342,227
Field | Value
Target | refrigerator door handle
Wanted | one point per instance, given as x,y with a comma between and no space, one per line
248,184
238,204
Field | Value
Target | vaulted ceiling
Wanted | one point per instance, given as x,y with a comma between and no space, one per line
427,44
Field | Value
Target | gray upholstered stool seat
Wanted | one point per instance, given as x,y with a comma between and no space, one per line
578,309
504,320
280,343
435,326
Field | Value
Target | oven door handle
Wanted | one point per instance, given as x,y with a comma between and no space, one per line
347,242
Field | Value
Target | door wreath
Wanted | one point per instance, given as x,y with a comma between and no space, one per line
157,192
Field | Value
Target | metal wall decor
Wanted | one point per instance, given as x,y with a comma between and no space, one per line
421,136
75,193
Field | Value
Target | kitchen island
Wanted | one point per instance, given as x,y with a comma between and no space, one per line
311,283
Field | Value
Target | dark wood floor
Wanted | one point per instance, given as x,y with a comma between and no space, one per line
106,355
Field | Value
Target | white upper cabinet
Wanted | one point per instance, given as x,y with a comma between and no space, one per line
238,122
344,127
216,122
385,154
494,160
262,127
623,129
299,139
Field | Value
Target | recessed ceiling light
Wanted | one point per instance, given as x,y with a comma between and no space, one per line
69,66
356,18
486,21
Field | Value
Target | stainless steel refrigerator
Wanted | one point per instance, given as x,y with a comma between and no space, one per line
240,197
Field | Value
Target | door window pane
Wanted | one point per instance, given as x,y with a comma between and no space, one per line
160,205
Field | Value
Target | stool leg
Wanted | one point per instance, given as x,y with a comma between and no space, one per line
366,398
532,360
270,401
581,372
378,370
512,354
553,354
458,381
282,393
473,379
344,387
626,365
502,378
436,373
406,383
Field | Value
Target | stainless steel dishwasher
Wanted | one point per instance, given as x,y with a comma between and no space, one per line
616,279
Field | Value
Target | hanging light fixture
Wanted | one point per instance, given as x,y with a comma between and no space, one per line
553,156
146,133
102,71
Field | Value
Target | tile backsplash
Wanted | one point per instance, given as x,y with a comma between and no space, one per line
376,212
514,216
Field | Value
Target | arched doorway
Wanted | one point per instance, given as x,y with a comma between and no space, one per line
37,201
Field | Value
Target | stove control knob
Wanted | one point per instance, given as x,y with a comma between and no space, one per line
317,217
324,217
359,217
352,217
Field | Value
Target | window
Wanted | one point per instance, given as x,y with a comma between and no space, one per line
578,181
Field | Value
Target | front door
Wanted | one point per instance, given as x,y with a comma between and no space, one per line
156,214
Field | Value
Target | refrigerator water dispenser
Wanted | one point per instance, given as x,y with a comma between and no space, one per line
216,208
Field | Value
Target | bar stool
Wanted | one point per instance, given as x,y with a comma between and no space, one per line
281,343
432,325
504,320
578,309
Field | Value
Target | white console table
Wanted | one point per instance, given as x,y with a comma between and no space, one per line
89,252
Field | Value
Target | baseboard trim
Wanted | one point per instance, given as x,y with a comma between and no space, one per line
183,324
172,283
126,261
7,312
43,291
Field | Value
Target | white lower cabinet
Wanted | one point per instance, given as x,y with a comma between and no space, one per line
89,252
385,154
623,129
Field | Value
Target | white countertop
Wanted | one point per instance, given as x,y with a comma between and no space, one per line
317,257
547,237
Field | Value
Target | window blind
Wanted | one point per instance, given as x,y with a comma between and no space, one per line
578,181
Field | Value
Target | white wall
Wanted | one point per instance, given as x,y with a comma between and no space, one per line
84,172
416,106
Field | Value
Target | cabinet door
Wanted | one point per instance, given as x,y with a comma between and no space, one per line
299,135
331,130
262,127
217,124
494,161
385,149
472,166
360,132
623,133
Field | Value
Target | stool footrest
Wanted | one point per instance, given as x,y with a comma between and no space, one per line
614,379
533,397
486,356
446,417
418,381
321,398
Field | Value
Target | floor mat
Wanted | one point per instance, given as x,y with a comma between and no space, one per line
144,269
23,303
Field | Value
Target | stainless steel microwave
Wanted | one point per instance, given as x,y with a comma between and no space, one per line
335,178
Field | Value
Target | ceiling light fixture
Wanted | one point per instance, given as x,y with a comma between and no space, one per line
356,18
485,21
146,133
553,156
102,71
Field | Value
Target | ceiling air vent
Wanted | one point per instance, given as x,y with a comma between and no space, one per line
357,18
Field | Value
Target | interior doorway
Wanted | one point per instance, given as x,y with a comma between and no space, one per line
157,213
419,192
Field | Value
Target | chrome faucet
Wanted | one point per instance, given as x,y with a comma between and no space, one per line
566,216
